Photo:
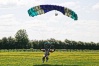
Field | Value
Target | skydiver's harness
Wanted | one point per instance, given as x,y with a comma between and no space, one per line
48,49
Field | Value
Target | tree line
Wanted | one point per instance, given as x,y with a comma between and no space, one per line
21,41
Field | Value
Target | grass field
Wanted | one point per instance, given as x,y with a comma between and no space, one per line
55,59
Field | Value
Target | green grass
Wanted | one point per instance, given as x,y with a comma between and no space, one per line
55,59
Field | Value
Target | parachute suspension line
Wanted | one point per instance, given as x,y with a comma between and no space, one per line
56,14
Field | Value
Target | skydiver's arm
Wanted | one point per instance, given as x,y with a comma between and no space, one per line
42,50
52,50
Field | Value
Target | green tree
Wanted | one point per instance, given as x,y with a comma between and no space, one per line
4,43
11,42
21,39
1,46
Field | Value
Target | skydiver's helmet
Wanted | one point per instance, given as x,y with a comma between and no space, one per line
47,45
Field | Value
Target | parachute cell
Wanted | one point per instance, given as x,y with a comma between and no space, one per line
41,9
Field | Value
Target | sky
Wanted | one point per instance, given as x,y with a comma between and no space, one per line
14,16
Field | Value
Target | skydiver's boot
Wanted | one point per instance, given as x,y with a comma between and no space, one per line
47,59
43,59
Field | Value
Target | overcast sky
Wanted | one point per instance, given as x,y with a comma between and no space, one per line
14,16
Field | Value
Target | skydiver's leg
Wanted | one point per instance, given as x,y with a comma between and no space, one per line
47,54
47,58
43,59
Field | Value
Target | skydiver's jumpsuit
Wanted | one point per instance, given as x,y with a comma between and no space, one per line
46,54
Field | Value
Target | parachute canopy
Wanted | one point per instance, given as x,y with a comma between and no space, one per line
42,9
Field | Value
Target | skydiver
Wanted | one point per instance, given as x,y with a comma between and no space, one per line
47,51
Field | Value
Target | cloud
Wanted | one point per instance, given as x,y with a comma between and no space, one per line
8,20
86,30
8,3
71,4
8,25
18,3
96,6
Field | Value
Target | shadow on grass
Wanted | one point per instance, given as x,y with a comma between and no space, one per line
54,65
